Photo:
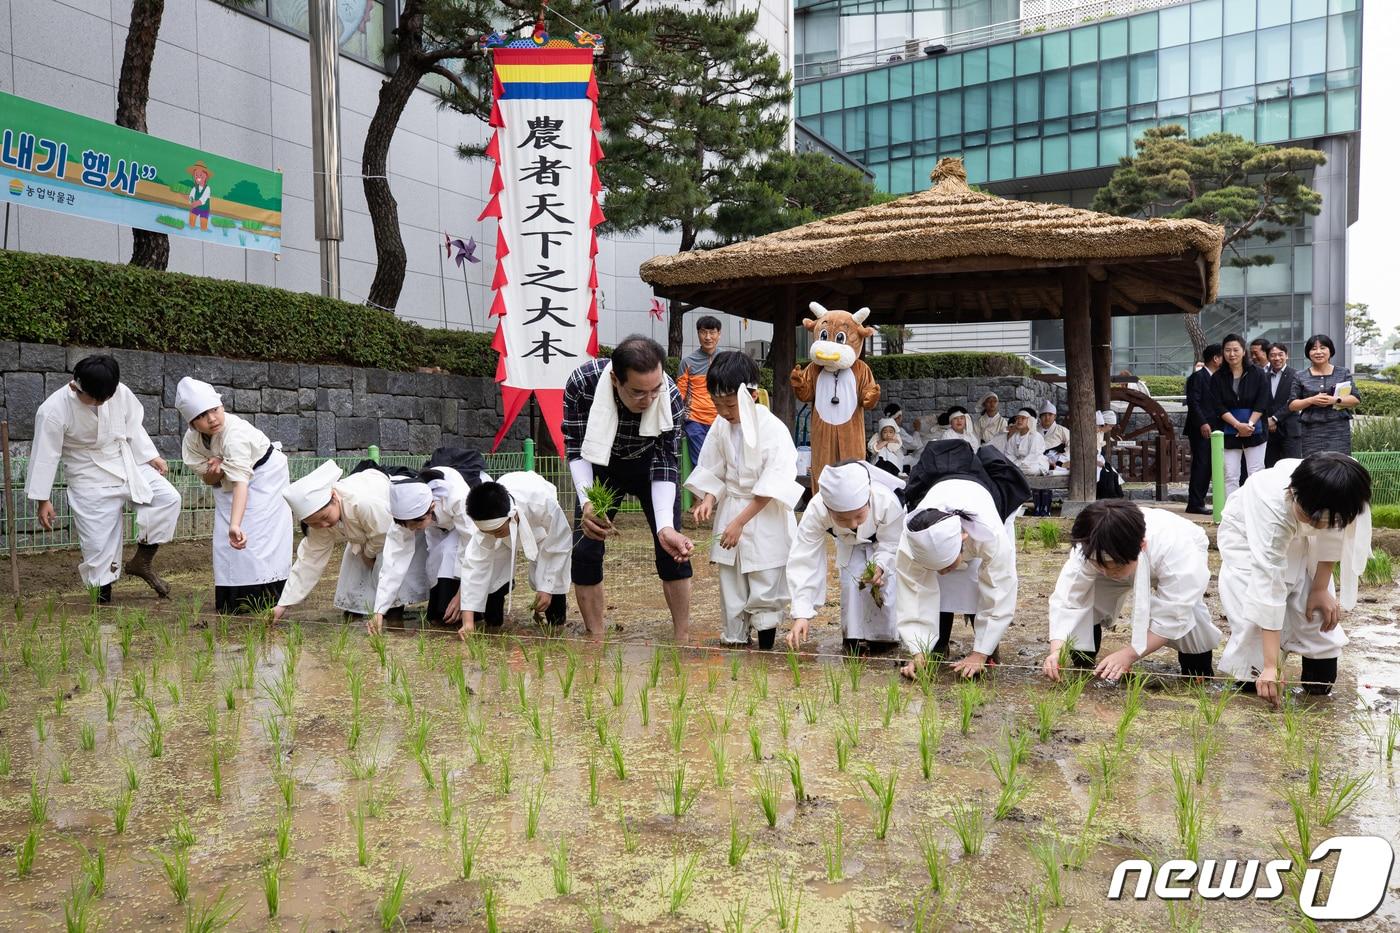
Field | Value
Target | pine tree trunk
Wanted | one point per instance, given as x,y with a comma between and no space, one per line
149,250
675,327
1196,333
394,95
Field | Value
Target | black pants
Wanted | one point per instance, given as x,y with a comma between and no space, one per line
1192,665
233,600
1281,447
1319,674
945,631
1200,470
1042,500
625,477
494,615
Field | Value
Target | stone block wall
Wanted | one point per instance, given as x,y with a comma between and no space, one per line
926,399
322,410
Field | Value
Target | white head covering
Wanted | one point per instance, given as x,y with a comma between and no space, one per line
1024,410
888,423
983,400
748,416
937,546
1110,418
1098,419
1047,407
312,492
409,499
846,487
194,398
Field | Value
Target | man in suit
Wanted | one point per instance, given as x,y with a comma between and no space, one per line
1285,430
1198,428
1259,352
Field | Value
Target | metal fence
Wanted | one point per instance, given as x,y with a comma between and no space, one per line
197,500
1384,467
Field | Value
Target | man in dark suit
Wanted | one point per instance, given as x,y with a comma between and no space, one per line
1285,428
1198,428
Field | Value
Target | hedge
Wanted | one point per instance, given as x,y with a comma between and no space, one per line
947,365
1164,385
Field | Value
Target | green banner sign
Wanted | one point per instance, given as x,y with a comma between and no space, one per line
59,161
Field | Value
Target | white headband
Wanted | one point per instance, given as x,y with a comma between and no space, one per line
496,524
409,499
937,546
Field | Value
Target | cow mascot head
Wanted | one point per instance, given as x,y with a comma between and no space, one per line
838,385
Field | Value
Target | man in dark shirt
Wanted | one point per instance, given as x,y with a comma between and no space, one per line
1198,428
630,444
1285,429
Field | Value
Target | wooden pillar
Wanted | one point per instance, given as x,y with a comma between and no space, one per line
1101,334
1079,377
782,356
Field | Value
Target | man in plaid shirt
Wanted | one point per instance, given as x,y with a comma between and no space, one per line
647,467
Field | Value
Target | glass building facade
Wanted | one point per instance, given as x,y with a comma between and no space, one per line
1048,115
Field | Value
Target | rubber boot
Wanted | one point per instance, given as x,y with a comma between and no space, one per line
104,594
142,564
766,638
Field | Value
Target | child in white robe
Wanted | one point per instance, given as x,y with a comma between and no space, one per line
746,481
990,423
248,473
336,508
957,427
955,523
517,514
888,448
94,427
1280,536
856,504
1023,444
1122,550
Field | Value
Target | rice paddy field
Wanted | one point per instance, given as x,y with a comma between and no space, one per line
165,768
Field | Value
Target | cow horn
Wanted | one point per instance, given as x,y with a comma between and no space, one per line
861,315
816,309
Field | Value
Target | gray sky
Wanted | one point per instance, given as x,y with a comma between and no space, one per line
1372,259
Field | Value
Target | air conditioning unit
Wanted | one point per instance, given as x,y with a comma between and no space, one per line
937,48
911,47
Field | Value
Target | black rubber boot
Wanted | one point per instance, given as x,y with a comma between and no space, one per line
104,594
1195,665
766,638
142,564
1319,674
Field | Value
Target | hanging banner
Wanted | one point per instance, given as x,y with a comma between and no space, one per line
59,161
545,198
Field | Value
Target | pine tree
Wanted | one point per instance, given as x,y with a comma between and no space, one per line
1255,191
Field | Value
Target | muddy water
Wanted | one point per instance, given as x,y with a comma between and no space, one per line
620,876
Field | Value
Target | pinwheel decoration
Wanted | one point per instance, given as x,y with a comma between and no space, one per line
658,308
464,253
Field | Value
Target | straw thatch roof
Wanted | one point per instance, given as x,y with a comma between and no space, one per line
950,254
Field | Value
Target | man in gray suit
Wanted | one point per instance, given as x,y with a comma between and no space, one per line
1285,430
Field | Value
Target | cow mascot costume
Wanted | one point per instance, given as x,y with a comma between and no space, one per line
838,385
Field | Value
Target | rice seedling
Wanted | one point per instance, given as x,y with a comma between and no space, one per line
287,788
566,674
65,771
27,851
969,824
1109,761
1047,532
1204,743
588,703
488,904
896,700
675,728
719,758
1392,736
794,769
138,684
736,916
272,885
1189,810
357,821
1380,569
738,842
445,808
216,770
503,771
970,696
1011,795
205,916
810,704
1211,704
935,857
766,783
786,894
1346,790
173,688
760,681
603,500
1302,820
842,749
94,870
41,730
176,868
794,665
153,732
1086,840
181,834
1073,689
879,793
834,851
930,735
38,801
619,757
534,805
630,838
121,810
284,836
467,845
559,861
592,778
849,725
60,701
1048,852
133,778
1047,710
109,696
380,646
654,670
644,704
391,903
676,889
755,742
617,690
4,760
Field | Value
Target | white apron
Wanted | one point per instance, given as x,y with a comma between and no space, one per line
267,524
355,590
860,617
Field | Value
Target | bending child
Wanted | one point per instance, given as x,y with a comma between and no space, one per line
746,478
1157,557
1279,539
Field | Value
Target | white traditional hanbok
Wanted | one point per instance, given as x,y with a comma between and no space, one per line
755,458
1267,561
539,530
440,544
967,436
984,582
246,455
105,453
875,540
1027,451
988,427
1167,590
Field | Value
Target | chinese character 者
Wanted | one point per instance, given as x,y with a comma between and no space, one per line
95,168
21,156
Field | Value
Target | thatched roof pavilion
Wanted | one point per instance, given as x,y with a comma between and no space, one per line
952,255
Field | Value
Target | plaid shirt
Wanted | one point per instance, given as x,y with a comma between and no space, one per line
629,443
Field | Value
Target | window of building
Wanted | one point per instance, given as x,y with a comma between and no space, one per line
1239,16
1142,33
1001,62
1113,39
1310,47
1174,72
975,110
1238,59
1028,57
366,35
1174,26
1205,20
1054,152
1271,54
1309,116
1142,78
1205,67
1273,12
1084,89
1343,42
1342,116
1113,84
1055,51
1084,45
1307,9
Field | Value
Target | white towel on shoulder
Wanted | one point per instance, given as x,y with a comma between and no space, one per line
601,431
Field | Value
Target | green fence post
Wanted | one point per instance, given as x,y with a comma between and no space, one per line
374,452
1217,473
529,455
685,472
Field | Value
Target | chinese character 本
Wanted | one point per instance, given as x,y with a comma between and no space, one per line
544,132
546,346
